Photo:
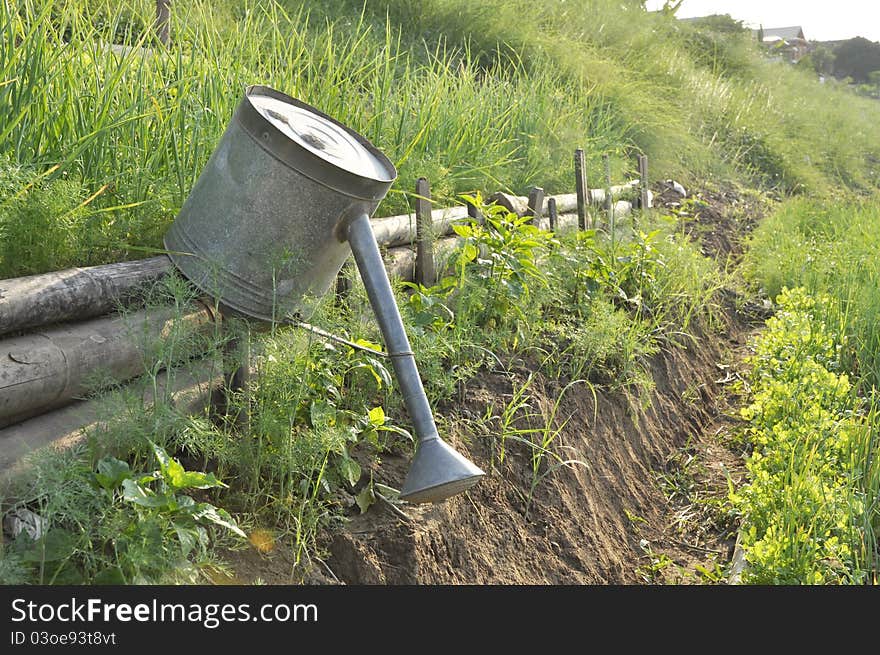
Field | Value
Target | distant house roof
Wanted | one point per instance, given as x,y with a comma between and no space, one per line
784,33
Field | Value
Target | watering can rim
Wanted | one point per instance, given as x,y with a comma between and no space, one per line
306,162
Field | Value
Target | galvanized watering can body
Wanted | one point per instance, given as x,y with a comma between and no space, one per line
288,252
283,201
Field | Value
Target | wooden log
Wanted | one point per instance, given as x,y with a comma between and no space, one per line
51,368
426,274
401,262
401,230
565,202
188,388
75,293
519,205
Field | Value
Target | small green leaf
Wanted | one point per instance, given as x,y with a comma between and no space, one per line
195,480
377,416
172,472
349,469
187,536
111,472
381,370
365,498
161,456
397,430
135,493
368,344
390,493
207,512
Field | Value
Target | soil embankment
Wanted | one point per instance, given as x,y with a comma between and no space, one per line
647,501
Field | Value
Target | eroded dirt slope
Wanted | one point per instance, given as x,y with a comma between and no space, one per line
647,503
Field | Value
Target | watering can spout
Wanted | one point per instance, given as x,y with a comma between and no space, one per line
437,471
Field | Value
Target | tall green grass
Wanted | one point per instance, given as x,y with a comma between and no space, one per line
475,96
137,127
699,99
828,247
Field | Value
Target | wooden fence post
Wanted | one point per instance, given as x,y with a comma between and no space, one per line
236,373
536,204
552,214
163,20
583,191
343,283
609,202
473,212
425,273
644,201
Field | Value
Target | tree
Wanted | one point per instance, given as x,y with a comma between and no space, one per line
856,58
723,23
671,6
823,60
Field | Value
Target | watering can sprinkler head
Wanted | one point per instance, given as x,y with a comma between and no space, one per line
284,199
437,472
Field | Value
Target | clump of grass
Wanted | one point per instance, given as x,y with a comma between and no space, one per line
828,247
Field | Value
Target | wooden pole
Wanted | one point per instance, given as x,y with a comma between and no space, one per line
163,21
552,213
582,190
426,274
609,202
343,286
473,212
536,205
644,200
236,373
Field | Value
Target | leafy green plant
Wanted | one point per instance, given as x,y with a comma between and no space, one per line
503,252
807,510
129,527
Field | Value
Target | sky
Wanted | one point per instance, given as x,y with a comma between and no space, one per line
822,20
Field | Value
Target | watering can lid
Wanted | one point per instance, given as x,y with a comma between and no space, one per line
298,127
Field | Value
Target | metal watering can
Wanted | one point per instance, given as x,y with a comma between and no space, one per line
285,197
